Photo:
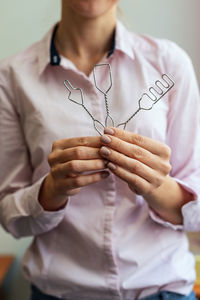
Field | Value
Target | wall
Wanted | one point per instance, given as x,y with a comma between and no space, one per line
23,22
175,20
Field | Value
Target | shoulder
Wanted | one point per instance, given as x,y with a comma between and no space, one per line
16,72
18,62
162,51
163,54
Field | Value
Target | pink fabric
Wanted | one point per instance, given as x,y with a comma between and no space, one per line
106,243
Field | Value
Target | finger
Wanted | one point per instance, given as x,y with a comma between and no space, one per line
136,183
135,152
76,153
133,166
77,166
84,180
147,143
89,141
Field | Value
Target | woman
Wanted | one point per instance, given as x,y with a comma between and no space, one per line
107,213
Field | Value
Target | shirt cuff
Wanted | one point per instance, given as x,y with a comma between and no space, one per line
35,207
49,218
155,217
190,212
25,216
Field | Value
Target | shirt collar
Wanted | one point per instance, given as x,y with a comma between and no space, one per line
124,40
43,51
55,57
48,55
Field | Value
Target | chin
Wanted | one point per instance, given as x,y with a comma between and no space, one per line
92,8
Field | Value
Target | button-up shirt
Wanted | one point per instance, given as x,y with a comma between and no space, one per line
106,243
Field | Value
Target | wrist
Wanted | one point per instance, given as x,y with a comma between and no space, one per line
48,198
167,200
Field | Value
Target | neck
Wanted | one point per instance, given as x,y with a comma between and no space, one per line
85,41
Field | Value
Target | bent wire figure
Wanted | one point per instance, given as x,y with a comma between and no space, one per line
146,102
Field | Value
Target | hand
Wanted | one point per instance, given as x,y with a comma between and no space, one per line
69,160
140,161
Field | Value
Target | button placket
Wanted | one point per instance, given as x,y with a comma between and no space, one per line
111,269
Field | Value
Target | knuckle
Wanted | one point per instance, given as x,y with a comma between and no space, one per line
138,153
54,171
56,144
135,168
157,181
166,167
82,141
137,139
79,181
169,168
166,150
135,181
78,152
74,166
51,158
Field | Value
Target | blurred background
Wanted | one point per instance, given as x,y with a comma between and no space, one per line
23,22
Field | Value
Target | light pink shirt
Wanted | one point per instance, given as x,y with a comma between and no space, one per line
106,243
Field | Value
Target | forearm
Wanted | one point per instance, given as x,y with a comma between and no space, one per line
168,199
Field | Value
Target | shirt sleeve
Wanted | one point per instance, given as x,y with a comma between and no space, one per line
20,212
183,135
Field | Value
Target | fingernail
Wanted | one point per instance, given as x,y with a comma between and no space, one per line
109,131
104,174
104,151
111,166
105,139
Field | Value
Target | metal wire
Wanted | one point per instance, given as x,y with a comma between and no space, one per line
146,102
108,115
152,97
70,87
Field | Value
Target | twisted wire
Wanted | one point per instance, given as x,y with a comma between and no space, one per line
129,119
106,104
105,93
161,92
89,113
